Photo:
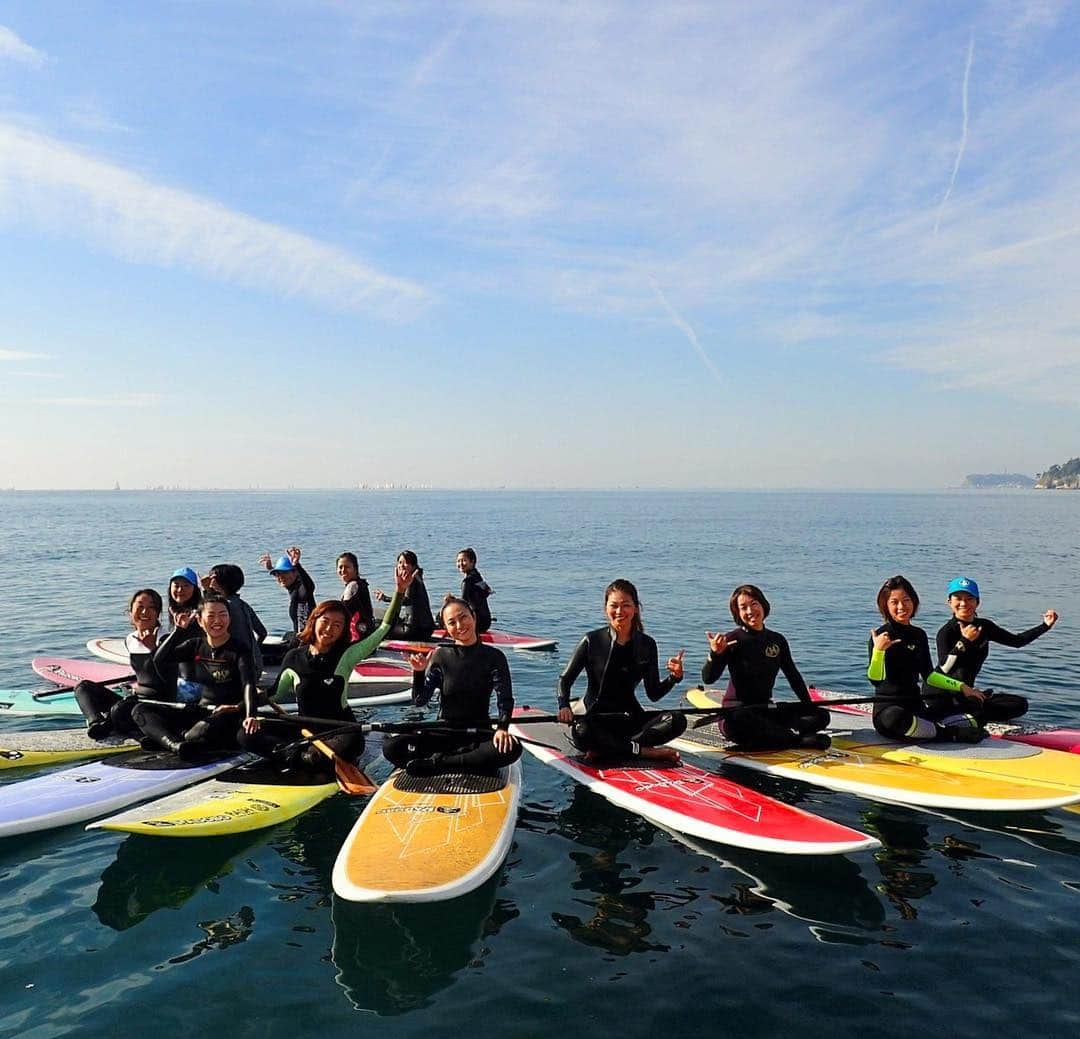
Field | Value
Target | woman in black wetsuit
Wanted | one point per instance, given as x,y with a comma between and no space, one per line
415,620
616,659
356,596
225,675
899,664
317,673
753,655
108,713
963,644
465,675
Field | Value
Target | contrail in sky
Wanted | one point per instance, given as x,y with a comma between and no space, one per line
963,134
684,326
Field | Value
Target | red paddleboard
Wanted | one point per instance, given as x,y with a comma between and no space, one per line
501,639
1049,736
692,801
69,673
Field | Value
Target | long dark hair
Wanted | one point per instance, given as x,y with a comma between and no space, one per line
621,584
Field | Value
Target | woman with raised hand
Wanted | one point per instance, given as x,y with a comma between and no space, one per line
963,644
108,713
899,665
616,659
753,655
184,593
222,671
466,675
316,672
414,621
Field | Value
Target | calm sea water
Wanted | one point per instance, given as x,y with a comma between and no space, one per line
599,924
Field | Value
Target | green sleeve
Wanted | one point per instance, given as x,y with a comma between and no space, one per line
286,684
937,680
365,647
876,671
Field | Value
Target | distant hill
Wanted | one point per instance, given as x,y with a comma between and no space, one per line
1061,476
997,480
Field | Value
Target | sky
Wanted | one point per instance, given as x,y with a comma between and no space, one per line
319,243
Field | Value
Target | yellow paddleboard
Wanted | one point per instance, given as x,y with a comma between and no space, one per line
56,746
230,804
431,838
863,770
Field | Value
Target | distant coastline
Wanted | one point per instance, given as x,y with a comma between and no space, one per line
1060,477
998,480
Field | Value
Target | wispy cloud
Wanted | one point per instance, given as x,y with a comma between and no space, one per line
12,48
50,184
128,400
687,330
20,355
963,134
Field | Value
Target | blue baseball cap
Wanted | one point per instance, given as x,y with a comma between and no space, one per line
963,584
283,566
186,573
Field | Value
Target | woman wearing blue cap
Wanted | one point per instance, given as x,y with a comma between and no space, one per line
297,582
184,593
963,644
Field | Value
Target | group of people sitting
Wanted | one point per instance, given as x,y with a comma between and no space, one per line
196,690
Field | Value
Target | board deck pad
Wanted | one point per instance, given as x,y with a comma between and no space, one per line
694,801
429,838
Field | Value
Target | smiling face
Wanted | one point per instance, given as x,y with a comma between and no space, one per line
181,591
286,578
464,563
346,571
404,567
900,606
144,612
214,618
328,629
460,623
963,606
621,611
751,612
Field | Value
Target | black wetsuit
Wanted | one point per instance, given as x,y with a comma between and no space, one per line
246,630
465,678
475,591
227,677
963,659
754,658
301,598
415,621
321,692
613,673
357,600
108,713
899,673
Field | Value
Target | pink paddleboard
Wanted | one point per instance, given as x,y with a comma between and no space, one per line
69,673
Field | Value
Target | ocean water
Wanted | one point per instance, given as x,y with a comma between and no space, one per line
599,924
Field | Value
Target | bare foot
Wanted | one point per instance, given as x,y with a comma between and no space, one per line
667,754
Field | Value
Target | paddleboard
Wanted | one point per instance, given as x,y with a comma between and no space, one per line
84,792
249,798
69,673
861,770
692,801
425,839
376,670
56,746
61,703
1052,737
499,639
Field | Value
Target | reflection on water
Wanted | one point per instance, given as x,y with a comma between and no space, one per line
151,873
394,958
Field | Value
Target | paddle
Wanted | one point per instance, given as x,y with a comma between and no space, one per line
351,779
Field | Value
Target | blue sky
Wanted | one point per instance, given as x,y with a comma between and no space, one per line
302,243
